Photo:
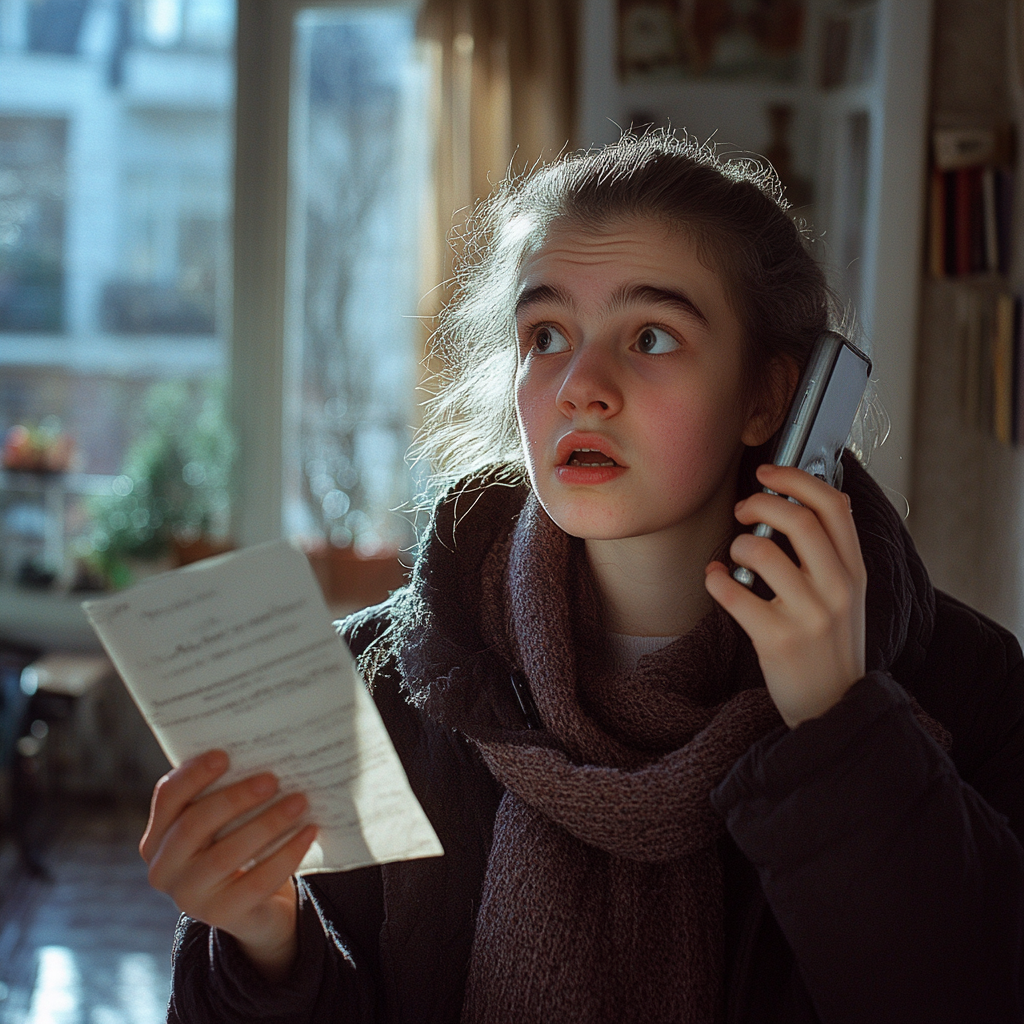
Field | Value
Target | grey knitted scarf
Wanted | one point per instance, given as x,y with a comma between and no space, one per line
603,895
603,898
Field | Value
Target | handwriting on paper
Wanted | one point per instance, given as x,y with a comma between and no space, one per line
237,652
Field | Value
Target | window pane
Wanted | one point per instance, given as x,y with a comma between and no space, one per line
360,158
32,187
115,158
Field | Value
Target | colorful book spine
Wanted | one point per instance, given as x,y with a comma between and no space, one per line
1018,370
1002,369
949,233
1004,217
975,180
970,203
936,225
990,220
989,337
964,212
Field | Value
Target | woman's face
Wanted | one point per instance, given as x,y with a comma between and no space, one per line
628,383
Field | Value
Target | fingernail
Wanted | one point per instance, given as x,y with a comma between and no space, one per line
263,785
293,805
740,503
215,760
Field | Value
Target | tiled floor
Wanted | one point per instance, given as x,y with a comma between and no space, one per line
93,945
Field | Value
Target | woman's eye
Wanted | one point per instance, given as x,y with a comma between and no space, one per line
654,341
548,340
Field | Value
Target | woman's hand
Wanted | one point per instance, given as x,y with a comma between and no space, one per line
214,880
810,637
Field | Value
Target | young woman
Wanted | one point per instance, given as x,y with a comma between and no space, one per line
661,796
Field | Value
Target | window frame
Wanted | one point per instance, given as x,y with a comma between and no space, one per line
259,366
256,358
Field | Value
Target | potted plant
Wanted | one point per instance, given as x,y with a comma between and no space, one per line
171,501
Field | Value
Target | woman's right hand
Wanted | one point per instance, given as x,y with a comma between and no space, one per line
213,880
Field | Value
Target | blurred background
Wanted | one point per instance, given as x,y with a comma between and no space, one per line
225,227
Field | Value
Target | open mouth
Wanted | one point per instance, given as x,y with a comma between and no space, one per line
589,457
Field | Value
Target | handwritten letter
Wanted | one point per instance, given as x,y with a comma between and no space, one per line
237,652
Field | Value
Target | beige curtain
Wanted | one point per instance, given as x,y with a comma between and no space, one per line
504,80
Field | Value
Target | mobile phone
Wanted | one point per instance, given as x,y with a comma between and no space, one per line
820,418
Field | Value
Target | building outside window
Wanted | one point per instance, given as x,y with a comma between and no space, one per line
116,141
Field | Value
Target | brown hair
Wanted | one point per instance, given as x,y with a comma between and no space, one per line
733,210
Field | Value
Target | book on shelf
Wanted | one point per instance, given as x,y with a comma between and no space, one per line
969,209
1017,374
848,47
989,332
1002,368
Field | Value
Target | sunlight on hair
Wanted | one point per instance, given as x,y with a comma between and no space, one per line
870,426
732,202
518,228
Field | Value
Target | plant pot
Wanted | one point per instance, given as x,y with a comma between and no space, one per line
184,552
350,581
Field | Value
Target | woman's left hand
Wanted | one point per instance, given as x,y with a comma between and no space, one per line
810,637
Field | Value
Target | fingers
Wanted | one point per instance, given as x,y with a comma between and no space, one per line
217,880
175,791
248,904
749,610
810,637
196,826
270,874
820,575
227,856
823,506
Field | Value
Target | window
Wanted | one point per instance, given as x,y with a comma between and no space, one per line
32,190
117,298
115,162
360,154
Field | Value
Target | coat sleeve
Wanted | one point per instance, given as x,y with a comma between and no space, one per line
898,885
214,982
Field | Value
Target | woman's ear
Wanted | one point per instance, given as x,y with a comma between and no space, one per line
770,411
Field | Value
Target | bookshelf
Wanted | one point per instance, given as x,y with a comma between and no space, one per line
966,506
858,137
970,254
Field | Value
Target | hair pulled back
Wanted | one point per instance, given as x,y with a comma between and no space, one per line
735,215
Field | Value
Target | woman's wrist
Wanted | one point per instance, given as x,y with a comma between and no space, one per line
275,960
272,944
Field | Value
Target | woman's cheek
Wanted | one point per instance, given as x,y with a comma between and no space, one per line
694,450
526,414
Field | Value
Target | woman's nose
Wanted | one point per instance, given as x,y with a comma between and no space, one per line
590,384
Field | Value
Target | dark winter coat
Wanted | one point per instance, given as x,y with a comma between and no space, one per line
869,877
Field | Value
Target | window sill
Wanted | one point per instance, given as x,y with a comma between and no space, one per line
49,620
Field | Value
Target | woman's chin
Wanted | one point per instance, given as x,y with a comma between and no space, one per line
590,520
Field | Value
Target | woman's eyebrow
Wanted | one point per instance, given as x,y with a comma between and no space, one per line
544,293
647,294
628,295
